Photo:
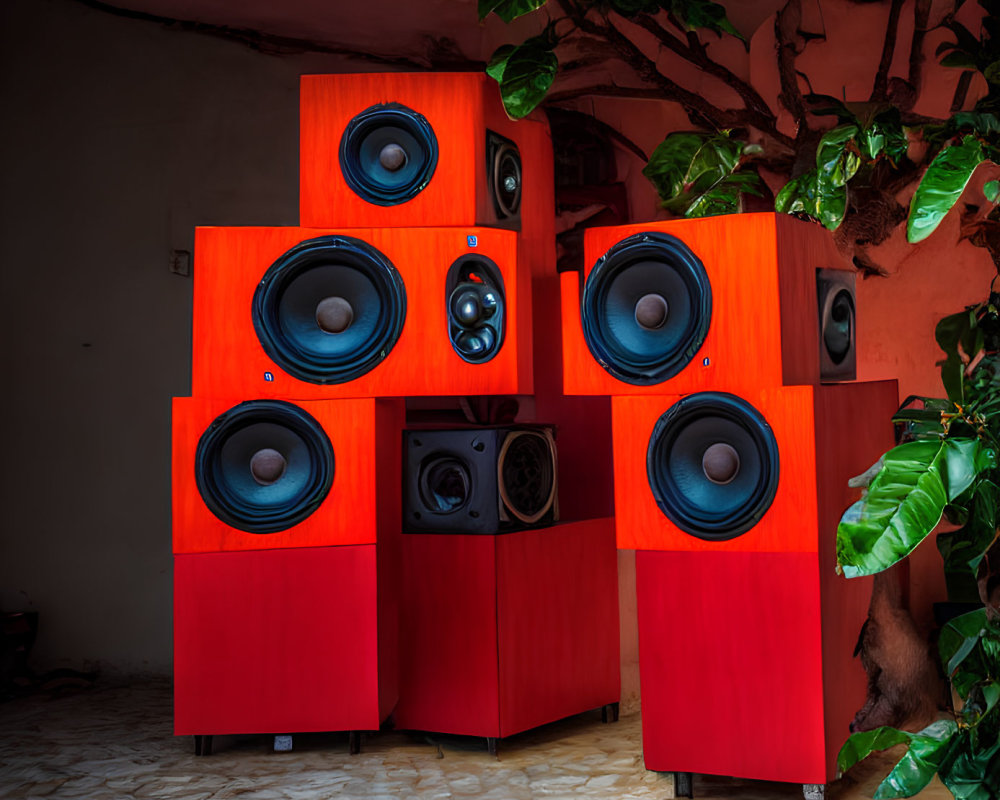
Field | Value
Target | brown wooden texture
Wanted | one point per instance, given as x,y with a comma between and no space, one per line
278,641
460,107
765,325
228,360
789,525
507,632
362,504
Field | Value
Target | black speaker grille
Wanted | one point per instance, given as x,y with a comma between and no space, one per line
388,154
227,466
290,309
527,475
683,465
646,308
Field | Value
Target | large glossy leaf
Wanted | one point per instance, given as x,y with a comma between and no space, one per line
905,502
926,751
835,160
963,549
974,774
810,196
952,333
508,10
498,61
527,73
941,186
699,174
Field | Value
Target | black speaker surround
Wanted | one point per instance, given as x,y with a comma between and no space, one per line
835,293
474,297
712,465
330,309
503,174
479,480
388,154
646,308
264,466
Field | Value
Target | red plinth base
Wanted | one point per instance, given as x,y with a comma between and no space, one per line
281,641
503,633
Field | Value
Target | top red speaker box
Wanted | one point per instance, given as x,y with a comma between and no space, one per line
421,149
303,313
723,303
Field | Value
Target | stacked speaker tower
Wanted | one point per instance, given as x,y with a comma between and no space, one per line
311,493
727,346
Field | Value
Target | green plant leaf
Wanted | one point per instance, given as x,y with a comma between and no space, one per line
835,162
926,751
905,502
699,174
992,72
694,14
498,62
991,190
941,186
959,59
808,195
508,10
962,550
974,774
528,72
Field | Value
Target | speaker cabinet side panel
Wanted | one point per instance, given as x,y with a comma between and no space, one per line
802,247
557,598
730,664
452,105
347,515
538,199
789,524
448,635
853,430
228,359
275,641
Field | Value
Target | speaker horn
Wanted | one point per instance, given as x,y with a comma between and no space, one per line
835,290
647,306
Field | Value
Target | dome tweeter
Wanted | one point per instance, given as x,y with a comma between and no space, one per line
476,308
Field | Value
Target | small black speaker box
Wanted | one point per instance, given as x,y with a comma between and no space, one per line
835,293
479,480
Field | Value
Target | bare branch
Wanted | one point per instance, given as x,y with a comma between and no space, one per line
879,88
921,17
786,26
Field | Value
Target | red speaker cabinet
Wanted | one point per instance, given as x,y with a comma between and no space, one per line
283,641
272,474
503,633
321,313
746,643
416,150
724,303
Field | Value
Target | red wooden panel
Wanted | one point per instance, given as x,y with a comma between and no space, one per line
448,635
557,601
460,107
764,330
852,432
363,433
789,525
276,641
730,664
228,359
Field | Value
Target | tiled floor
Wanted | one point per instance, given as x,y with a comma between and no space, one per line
115,742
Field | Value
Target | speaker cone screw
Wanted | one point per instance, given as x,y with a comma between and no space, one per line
721,463
392,157
334,314
267,466
651,311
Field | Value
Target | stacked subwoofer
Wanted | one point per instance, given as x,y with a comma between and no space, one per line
305,505
727,346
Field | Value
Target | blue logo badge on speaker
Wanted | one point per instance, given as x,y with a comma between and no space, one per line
269,376
473,241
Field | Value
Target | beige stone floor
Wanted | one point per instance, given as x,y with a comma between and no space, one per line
115,742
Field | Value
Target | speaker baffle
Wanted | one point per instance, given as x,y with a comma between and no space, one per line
388,154
646,308
264,466
503,170
479,480
475,300
712,465
835,291
330,309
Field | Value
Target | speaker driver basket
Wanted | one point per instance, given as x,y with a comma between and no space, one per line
712,465
330,309
646,308
388,154
264,466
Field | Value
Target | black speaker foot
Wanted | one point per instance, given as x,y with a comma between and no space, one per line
491,745
203,745
282,743
683,784
813,791
354,742
609,712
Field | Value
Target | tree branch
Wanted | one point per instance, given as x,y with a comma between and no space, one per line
881,84
921,16
786,26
